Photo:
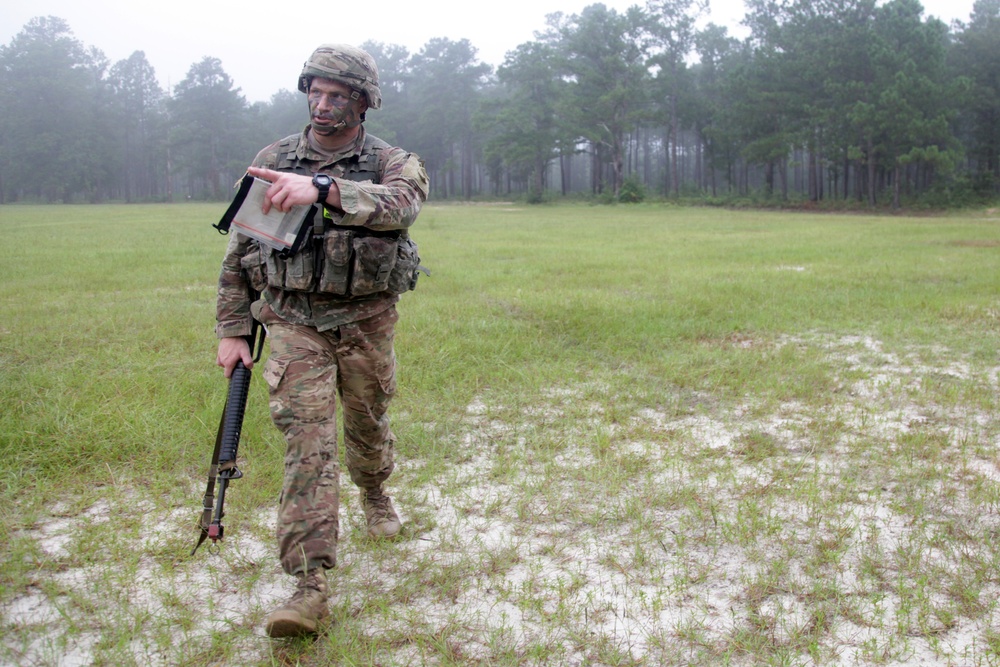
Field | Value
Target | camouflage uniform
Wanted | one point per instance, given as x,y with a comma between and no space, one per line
325,344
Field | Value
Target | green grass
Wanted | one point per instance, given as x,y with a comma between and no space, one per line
628,435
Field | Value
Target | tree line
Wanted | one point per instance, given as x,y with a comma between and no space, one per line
823,100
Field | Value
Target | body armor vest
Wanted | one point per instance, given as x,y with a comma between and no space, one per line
362,167
345,261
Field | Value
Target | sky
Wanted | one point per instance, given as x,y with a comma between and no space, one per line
262,46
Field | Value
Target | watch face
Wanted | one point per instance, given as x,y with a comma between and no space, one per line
322,179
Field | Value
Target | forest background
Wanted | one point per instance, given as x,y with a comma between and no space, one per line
839,102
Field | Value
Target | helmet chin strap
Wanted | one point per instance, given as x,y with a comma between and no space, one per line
341,124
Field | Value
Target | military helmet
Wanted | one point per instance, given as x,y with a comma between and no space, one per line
347,64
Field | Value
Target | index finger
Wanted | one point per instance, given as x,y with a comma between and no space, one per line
261,172
270,176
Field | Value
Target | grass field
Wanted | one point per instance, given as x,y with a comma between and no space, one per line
631,435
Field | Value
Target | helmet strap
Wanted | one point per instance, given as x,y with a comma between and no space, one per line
342,124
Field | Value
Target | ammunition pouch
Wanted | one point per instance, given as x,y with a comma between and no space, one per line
254,270
403,277
347,262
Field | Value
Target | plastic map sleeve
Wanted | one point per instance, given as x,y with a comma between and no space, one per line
283,231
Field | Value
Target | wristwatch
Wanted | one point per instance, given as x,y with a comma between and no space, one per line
322,183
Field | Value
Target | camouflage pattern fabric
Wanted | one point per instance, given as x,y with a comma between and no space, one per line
305,373
324,347
392,204
347,64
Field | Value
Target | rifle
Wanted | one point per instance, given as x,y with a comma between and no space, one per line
223,468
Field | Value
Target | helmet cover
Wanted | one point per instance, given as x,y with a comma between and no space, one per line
347,64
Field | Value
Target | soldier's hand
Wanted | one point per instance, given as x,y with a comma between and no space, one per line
288,190
232,350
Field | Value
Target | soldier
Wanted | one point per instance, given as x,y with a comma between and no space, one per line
330,313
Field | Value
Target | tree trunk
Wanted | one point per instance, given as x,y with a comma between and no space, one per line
674,173
896,174
871,173
847,176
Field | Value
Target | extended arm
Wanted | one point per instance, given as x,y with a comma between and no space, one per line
390,205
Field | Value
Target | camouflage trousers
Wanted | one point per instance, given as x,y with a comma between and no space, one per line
306,372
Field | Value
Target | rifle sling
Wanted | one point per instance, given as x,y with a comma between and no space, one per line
208,504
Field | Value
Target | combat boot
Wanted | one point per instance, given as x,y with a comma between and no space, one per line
383,522
302,613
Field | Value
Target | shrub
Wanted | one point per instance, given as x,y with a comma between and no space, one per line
632,191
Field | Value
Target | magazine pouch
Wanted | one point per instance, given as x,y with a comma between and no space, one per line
335,273
374,259
404,274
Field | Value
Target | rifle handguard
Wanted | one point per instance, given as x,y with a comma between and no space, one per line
236,407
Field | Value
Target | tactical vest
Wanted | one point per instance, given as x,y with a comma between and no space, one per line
363,167
345,261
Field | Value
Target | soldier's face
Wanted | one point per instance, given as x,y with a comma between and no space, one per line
331,107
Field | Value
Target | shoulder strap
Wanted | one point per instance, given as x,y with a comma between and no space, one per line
366,167
288,154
